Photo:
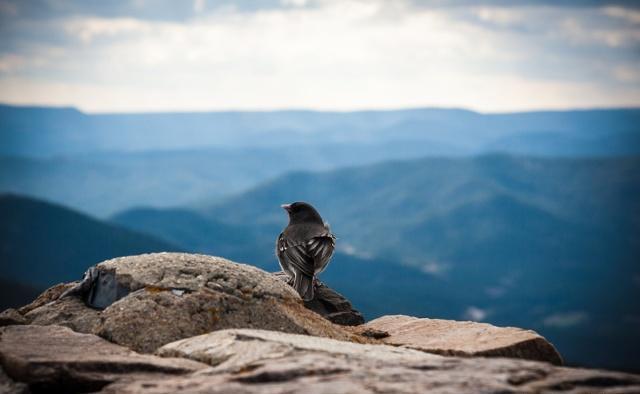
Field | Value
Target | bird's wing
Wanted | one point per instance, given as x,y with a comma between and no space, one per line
309,257
295,255
321,249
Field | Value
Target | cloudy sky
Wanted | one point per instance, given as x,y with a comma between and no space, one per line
144,55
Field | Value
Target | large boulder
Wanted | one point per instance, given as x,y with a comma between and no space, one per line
257,361
57,359
466,339
170,296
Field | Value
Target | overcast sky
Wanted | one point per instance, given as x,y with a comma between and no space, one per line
143,55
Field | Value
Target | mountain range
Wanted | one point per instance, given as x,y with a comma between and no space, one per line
41,132
105,163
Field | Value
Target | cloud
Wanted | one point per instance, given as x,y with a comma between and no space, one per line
11,62
630,15
526,3
435,268
343,55
475,314
86,29
199,6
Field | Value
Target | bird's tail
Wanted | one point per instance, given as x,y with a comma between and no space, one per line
304,286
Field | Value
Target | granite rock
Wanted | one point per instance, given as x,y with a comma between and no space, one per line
56,359
463,338
170,296
258,361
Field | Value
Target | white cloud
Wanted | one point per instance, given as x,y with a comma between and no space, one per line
500,16
86,29
295,3
579,33
199,5
475,314
336,55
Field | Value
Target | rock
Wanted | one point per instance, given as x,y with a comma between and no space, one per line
10,317
69,312
56,359
170,296
467,339
49,295
257,361
234,350
8,385
330,304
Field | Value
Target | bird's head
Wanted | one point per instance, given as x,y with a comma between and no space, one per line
302,212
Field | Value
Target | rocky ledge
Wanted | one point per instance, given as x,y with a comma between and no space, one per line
465,339
193,323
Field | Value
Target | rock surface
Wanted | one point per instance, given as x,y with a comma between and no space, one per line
257,361
176,295
10,317
235,350
466,339
8,385
56,359
330,304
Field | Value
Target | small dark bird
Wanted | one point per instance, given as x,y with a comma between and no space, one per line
304,247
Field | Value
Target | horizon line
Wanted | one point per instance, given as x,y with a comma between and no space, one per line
316,110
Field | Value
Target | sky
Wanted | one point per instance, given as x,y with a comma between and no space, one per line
163,55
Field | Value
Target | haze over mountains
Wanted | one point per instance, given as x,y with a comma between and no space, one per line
41,132
103,164
526,219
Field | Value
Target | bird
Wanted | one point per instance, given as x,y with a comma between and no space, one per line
305,247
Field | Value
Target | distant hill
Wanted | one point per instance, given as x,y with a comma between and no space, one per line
114,181
438,209
191,230
42,244
128,160
37,131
